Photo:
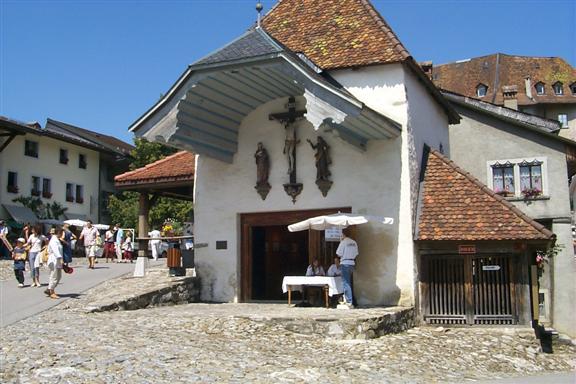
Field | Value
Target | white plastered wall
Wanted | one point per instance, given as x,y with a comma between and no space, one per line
47,165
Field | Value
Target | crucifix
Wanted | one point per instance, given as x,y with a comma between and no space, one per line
292,188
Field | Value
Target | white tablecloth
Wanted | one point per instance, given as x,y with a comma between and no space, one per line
296,282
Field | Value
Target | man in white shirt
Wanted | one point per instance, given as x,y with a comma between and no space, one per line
155,244
89,234
348,251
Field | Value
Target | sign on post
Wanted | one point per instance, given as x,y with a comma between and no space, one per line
490,267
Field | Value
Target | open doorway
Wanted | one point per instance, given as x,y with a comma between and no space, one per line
276,252
269,251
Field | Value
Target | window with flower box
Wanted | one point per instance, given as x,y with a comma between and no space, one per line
35,191
82,163
70,192
518,178
47,188
63,156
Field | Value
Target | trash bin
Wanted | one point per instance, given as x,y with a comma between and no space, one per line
174,262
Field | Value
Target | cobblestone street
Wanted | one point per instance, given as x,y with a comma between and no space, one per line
218,343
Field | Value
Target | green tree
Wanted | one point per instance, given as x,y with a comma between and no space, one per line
123,207
52,210
147,152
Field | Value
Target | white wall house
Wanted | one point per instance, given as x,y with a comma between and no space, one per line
53,165
375,120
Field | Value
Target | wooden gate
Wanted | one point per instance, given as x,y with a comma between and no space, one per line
468,289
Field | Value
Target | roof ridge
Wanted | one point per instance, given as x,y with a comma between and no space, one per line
539,227
151,165
379,19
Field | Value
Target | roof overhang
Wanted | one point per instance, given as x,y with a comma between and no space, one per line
204,109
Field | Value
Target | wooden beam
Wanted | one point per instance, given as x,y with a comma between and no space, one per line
8,141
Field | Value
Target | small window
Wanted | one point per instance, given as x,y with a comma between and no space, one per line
539,88
531,178
12,186
79,194
573,88
35,186
46,188
558,88
481,90
503,179
563,119
70,192
63,156
82,161
31,148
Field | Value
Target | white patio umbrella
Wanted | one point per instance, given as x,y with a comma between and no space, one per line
75,222
338,220
103,227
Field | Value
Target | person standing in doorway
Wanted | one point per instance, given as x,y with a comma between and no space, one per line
348,251
155,243
89,234
35,242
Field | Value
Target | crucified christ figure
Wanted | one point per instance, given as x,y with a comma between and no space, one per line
290,147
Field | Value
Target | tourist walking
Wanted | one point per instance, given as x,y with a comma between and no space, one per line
55,262
5,247
348,251
34,244
128,247
155,243
66,239
109,252
89,234
19,257
118,237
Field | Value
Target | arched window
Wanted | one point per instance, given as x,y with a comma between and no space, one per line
539,88
558,88
481,90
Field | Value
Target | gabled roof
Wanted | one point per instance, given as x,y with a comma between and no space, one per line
456,206
499,70
335,34
89,138
18,127
178,167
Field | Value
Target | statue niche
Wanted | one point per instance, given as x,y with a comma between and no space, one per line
323,161
262,171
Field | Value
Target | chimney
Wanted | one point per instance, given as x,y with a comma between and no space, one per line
427,68
528,85
510,93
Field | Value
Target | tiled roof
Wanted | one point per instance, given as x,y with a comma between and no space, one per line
335,33
177,167
87,137
251,44
499,70
456,206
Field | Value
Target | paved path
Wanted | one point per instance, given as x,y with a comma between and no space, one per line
19,303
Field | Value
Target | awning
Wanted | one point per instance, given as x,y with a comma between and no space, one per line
21,214
77,216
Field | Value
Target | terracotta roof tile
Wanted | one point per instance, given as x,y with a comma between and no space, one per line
177,167
499,70
335,33
457,206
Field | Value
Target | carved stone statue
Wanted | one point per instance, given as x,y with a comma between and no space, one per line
322,158
262,171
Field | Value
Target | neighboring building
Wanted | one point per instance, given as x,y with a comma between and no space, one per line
542,86
59,163
521,158
356,86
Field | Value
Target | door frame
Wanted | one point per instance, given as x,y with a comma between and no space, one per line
264,219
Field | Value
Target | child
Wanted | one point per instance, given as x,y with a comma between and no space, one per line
128,247
19,257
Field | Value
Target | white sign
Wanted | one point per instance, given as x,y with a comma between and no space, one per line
332,234
490,267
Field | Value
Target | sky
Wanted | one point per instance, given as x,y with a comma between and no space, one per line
100,64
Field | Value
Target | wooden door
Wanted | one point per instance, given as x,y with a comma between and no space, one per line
469,289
